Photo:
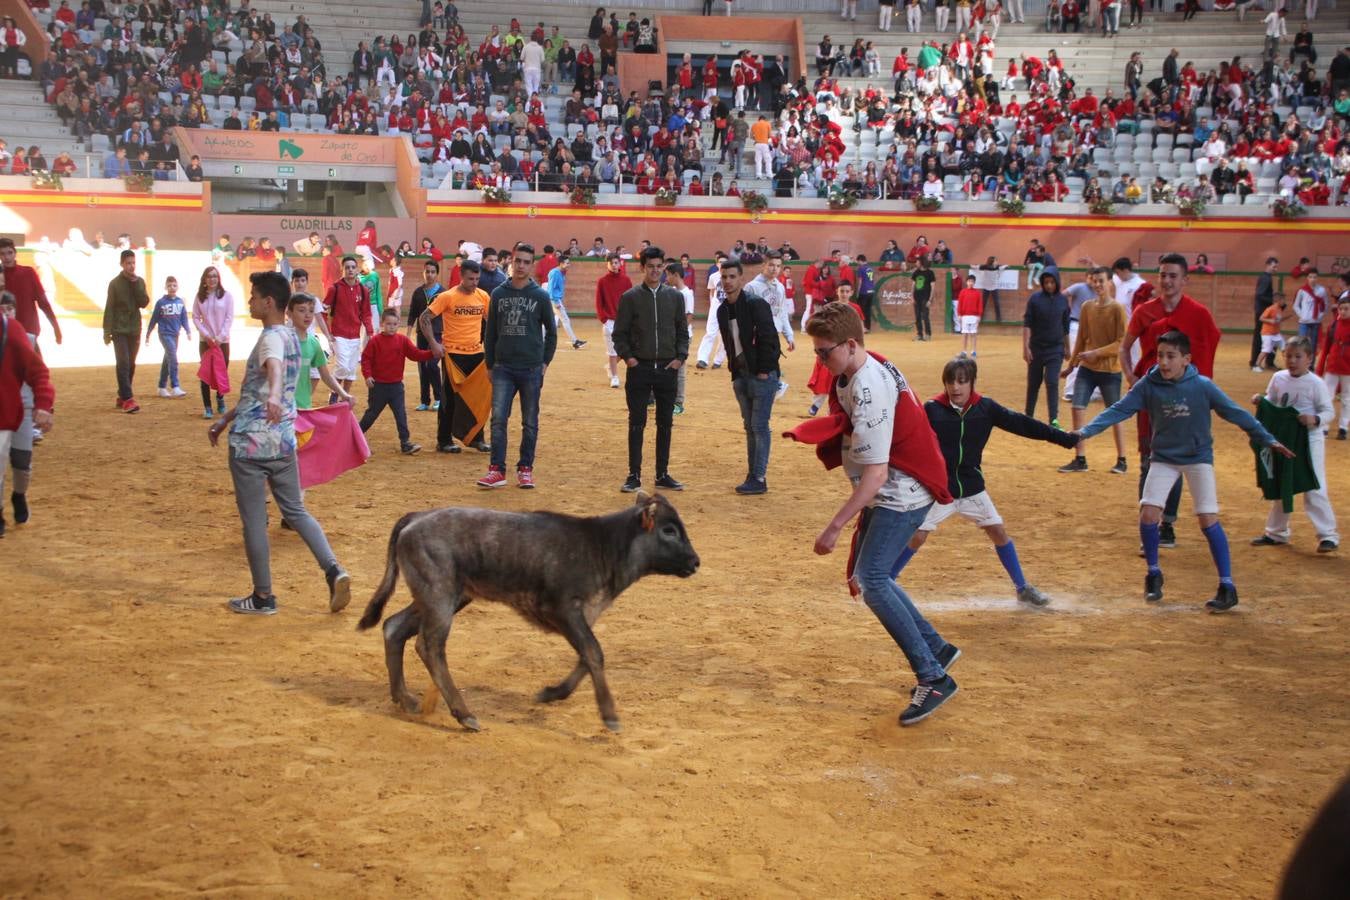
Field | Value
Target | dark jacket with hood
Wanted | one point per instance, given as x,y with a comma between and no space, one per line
962,434
1047,317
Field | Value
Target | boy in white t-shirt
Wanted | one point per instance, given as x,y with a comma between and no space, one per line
1297,386
897,471
675,278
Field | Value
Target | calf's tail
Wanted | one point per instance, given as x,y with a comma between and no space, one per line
375,608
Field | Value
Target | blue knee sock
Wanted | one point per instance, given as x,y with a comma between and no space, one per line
1218,548
902,560
1149,535
1007,554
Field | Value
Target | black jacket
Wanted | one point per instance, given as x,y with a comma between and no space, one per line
650,325
962,434
758,336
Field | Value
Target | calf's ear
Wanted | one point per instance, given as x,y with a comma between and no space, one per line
648,514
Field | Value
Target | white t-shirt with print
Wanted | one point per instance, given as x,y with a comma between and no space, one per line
869,399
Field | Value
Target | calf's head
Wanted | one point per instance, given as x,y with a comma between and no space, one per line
663,544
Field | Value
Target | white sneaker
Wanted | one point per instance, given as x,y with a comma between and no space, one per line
177,392
614,381
782,389
1256,369
164,392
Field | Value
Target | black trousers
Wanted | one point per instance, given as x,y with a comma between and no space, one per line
1044,370
125,348
429,381
865,301
998,310
645,380
206,389
454,421
390,395
922,325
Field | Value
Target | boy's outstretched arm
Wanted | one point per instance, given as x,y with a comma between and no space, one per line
1025,426
1229,411
1124,408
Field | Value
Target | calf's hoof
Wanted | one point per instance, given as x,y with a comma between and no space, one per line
613,725
551,694
470,724
408,703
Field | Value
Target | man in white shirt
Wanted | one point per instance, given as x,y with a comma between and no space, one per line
711,340
1127,283
1275,30
1310,305
532,66
675,278
767,287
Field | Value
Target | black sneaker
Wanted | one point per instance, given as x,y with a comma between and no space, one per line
451,447
948,655
1340,434
926,698
1079,464
481,446
1032,595
20,502
2,526
1167,536
1323,547
752,486
1153,587
339,588
668,482
410,449
1224,599
1121,466
1265,540
632,485
578,344
253,605
701,365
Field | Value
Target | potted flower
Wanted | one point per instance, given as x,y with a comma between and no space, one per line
666,197
1102,207
139,183
1288,208
841,198
44,180
1191,207
754,202
496,196
1011,205
583,196
927,204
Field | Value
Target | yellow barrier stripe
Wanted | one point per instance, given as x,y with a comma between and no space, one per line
805,217
113,201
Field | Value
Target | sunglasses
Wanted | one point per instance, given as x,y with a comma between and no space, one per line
823,353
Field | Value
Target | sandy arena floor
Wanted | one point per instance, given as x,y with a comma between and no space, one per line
152,743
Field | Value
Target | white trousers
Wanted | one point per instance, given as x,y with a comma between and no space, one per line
532,79
884,17
913,17
710,340
806,312
943,13
1015,11
1317,504
962,18
1341,383
763,161
848,9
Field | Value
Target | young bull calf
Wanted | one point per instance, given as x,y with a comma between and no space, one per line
559,572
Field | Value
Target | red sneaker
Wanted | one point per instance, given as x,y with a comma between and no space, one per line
131,406
525,477
494,478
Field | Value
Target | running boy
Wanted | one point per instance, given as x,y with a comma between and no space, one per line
1271,339
963,422
1179,400
1299,388
1333,366
890,456
170,316
969,310
382,368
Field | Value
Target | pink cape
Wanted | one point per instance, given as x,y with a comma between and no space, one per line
329,442
214,371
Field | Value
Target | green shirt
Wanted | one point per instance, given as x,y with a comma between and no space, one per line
372,282
311,357
122,309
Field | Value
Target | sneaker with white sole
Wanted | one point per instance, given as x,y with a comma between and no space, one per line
164,393
339,588
525,477
782,389
1121,466
614,381
177,392
948,655
494,478
253,605
926,698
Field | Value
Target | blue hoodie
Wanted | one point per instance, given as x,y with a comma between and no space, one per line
1180,415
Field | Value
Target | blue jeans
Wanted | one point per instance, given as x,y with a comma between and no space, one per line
507,381
755,397
168,369
885,534
1310,330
